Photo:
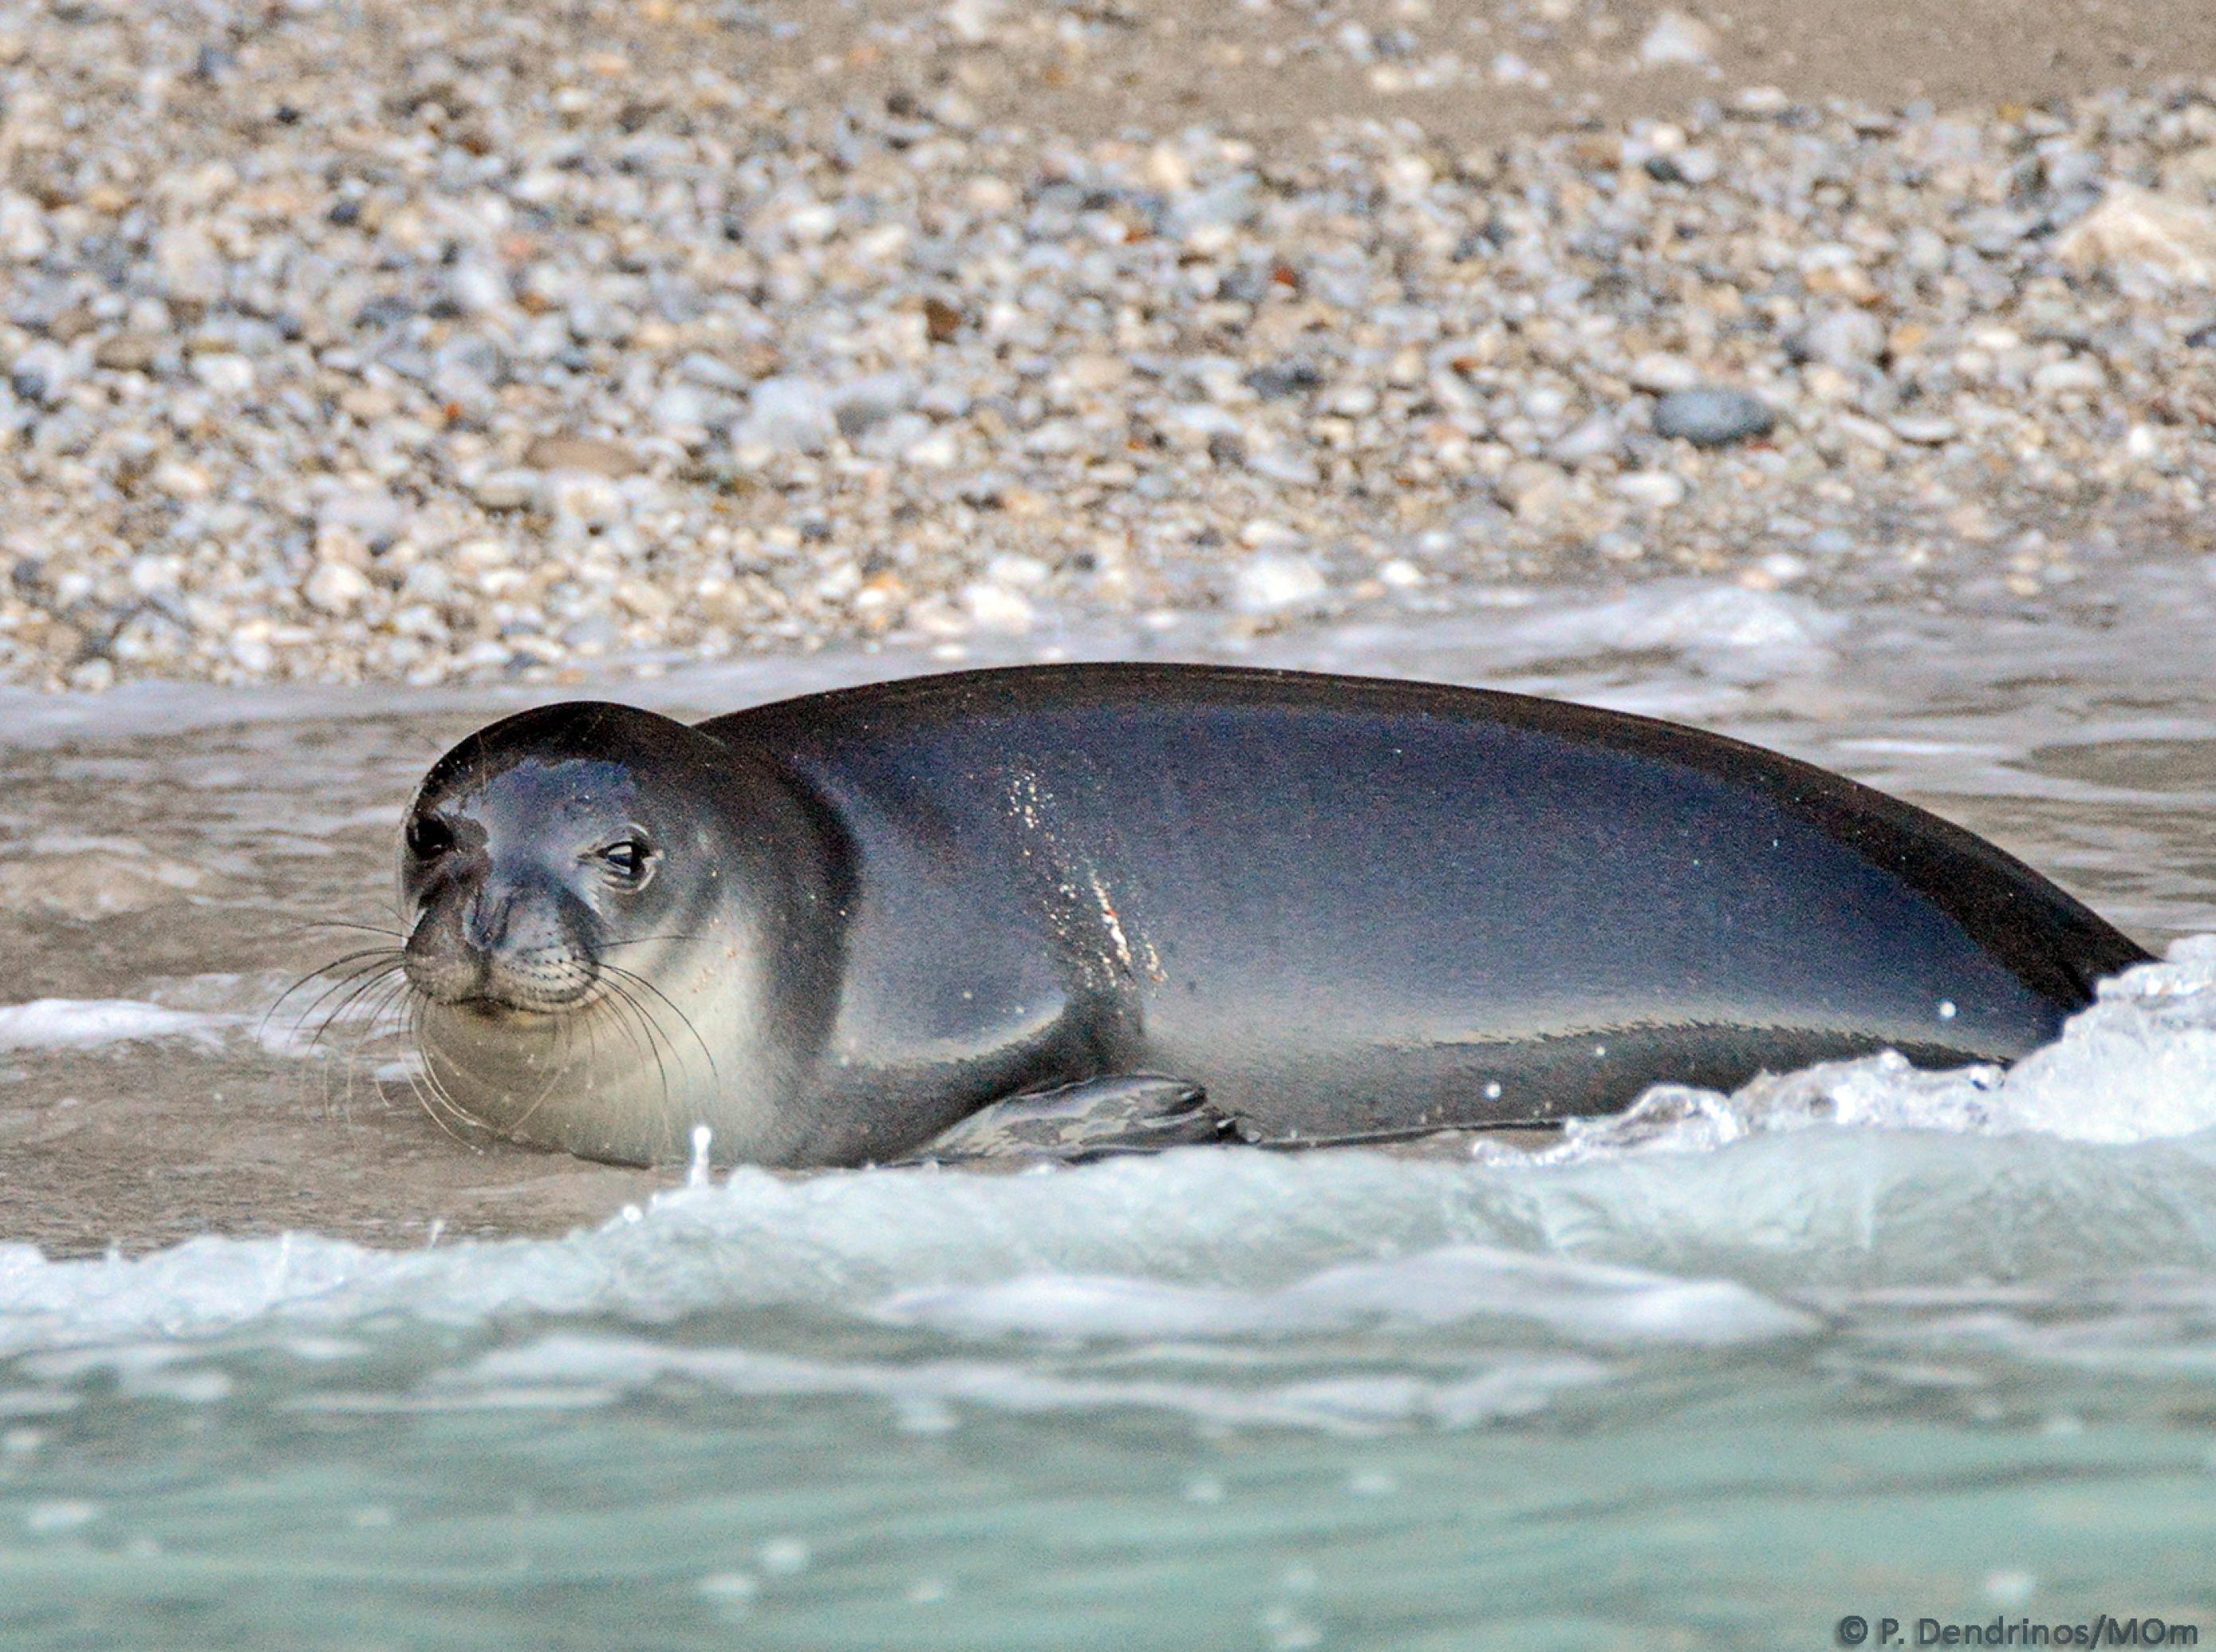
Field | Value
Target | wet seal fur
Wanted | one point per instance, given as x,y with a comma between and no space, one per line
1062,911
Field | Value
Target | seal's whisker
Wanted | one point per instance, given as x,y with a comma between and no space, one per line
338,976
618,993
445,1112
545,1090
318,974
430,1091
620,984
436,1107
612,997
565,1036
635,979
377,988
362,982
306,925
348,992
398,986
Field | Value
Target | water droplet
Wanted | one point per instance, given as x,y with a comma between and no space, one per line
1288,1631
61,1516
729,1589
783,1557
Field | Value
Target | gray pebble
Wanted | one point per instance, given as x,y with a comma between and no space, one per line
788,414
1712,417
505,490
1926,430
1845,338
1592,438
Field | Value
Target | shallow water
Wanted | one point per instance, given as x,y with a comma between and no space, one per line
1854,1341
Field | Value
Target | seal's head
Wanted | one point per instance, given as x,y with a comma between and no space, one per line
534,852
607,927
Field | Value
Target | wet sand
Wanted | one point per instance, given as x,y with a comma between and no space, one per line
1162,64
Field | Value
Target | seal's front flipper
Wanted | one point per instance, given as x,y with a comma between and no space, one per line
1124,1113
1523,1132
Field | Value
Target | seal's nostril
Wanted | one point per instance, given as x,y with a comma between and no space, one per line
487,919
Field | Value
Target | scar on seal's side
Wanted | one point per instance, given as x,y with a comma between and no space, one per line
1069,909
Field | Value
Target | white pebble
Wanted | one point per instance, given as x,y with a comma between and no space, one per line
224,372
1272,581
1656,490
336,588
996,608
1677,42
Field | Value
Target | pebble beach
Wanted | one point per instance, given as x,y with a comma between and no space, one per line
361,342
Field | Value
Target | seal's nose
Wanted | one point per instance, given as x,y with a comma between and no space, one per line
515,938
441,961
488,916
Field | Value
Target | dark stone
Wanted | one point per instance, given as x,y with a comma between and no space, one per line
1284,379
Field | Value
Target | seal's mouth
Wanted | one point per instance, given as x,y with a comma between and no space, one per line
537,980
498,988
489,1007
497,1007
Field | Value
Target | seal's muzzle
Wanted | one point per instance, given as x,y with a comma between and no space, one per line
505,941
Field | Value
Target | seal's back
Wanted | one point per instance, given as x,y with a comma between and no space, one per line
1343,903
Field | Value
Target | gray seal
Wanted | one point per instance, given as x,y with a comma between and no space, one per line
1064,911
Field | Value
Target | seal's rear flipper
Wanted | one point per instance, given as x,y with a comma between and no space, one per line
1123,1113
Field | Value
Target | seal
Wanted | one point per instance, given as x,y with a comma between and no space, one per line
1062,911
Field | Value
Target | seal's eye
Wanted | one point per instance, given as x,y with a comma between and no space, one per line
429,838
629,861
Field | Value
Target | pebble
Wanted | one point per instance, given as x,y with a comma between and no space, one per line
336,588
789,415
1655,490
2073,377
594,455
1712,417
994,607
504,490
2140,231
1595,436
576,342
1844,338
1676,40
1273,581
128,353
1532,490
1663,375
1925,429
